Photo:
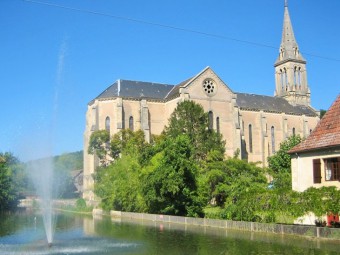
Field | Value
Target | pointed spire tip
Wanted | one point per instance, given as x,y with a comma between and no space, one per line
286,3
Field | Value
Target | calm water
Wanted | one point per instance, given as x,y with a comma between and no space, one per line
22,233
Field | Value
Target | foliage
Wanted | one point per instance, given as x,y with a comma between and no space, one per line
63,166
245,187
280,161
8,194
183,172
171,187
322,113
99,145
212,212
118,185
80,203
128,142
15,182
81,206
69,161
189,118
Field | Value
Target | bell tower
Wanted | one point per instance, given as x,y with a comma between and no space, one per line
290,67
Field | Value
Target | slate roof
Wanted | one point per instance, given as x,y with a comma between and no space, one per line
175,90
271,104
157,91
327,132
136,89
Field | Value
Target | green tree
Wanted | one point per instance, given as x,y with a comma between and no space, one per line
280,164
170,185
212,175
243,188
118,185
280,161
64,165
99,145
128,142
8,193
189,118
322,113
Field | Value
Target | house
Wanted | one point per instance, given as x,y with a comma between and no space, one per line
316,161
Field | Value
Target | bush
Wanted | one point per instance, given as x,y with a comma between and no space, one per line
213,212
320,223
81,203
335,224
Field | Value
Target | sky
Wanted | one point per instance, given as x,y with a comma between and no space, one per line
58,55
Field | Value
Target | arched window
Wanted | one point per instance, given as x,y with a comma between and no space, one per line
282,80
131,123
250,138
211,120
293,131
299,77
273,139
218,125
107,124
296,76
285,78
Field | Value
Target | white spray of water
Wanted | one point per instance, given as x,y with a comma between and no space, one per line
41,171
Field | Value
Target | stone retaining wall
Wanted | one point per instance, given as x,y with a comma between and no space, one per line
29,202
301,230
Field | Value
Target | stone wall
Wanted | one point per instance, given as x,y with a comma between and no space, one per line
301,230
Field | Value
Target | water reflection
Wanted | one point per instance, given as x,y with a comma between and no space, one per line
21,234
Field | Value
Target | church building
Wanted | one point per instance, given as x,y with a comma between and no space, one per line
254,125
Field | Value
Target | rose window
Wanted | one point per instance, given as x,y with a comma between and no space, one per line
209,87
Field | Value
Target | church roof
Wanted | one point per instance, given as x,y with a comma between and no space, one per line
271,104
136,89
327,132
175,90
158,91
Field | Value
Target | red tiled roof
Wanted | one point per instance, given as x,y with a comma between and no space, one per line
326,133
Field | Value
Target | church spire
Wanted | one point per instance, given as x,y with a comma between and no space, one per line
289,48
290,66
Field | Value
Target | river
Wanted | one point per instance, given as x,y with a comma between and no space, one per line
22,232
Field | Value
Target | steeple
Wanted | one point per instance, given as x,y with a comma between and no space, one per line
290,67
289,48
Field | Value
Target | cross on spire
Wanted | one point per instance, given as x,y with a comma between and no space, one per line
286,3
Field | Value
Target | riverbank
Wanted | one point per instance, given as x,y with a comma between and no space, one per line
32,202
280,229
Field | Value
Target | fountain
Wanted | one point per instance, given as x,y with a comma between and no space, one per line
41,173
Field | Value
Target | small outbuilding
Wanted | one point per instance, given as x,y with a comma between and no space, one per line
316,161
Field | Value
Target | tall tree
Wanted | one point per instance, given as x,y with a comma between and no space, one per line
280,161
170,184
189,118
128,142
8,193
118,185
99,145
280,164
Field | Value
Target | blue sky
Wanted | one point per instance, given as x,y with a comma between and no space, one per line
57,55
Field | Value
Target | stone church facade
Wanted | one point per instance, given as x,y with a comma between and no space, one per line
253,124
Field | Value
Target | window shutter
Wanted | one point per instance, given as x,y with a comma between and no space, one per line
317,170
